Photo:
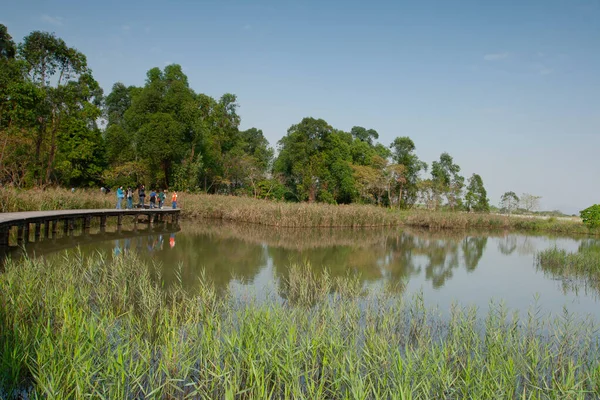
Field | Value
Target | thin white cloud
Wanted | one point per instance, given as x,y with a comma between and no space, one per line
495,56
545,71
58,21
247,27
126,28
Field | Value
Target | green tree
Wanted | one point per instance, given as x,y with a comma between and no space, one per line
446,180
476,197
315,160
68,88
403,153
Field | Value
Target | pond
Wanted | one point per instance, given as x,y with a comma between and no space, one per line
468,268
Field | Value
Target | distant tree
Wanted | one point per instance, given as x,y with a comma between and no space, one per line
403,153
530,202
509,202
447,181
476,197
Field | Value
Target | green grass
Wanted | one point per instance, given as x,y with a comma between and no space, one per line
572,268
100,327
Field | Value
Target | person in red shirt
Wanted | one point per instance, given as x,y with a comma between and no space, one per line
174,200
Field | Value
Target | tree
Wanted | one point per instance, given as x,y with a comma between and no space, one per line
68,88
364,135
530,202
476,197
315,160
403,153
446,180
509,202
591,216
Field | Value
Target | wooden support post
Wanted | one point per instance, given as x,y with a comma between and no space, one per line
87,223
119,220
102,221
38,226
54,227
71,225
66,226
26,233
20,232
151,218
46,229
4,235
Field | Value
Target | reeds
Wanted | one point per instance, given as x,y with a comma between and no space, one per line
296,215
573,268
103,327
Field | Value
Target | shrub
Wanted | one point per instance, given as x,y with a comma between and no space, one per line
591,216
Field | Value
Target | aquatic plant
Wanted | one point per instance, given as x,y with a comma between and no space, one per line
104,327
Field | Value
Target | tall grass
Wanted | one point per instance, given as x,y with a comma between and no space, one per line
12,200
573,268
281,214
104,328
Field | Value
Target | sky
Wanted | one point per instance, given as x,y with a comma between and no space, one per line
510,89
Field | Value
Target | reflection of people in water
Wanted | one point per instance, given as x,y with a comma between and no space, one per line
172,240
117,249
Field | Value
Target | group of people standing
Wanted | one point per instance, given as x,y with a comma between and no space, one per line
154,196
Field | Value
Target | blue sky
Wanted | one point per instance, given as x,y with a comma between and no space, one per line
511,89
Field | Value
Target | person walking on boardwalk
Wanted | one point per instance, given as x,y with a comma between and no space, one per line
129,196
161,198
120,196
142,195
174,200
152,198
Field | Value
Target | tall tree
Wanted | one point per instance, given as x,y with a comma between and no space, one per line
67,86
476,197
509,202
403,153
446,180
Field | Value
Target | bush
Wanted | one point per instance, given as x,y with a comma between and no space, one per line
591,216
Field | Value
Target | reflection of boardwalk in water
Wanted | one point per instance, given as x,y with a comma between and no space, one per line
87,237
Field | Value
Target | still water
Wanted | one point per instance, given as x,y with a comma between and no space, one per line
468,268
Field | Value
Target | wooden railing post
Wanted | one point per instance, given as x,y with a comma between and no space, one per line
47,229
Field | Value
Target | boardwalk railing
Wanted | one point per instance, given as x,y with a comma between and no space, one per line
52,219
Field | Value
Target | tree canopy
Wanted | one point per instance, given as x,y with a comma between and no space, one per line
58,128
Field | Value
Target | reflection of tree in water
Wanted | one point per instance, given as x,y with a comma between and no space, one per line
442,259
523,244
473,248
507,245
221,259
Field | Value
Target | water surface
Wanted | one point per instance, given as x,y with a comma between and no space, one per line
469,268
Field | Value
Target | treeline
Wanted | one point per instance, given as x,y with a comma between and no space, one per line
164,134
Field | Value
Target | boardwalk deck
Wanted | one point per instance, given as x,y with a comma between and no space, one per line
51,219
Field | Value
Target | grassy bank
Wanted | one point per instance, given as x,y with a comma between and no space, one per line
269,213
104,328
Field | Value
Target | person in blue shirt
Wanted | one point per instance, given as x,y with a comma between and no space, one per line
120,196
152,198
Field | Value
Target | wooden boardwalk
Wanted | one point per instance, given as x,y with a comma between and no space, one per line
51,219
